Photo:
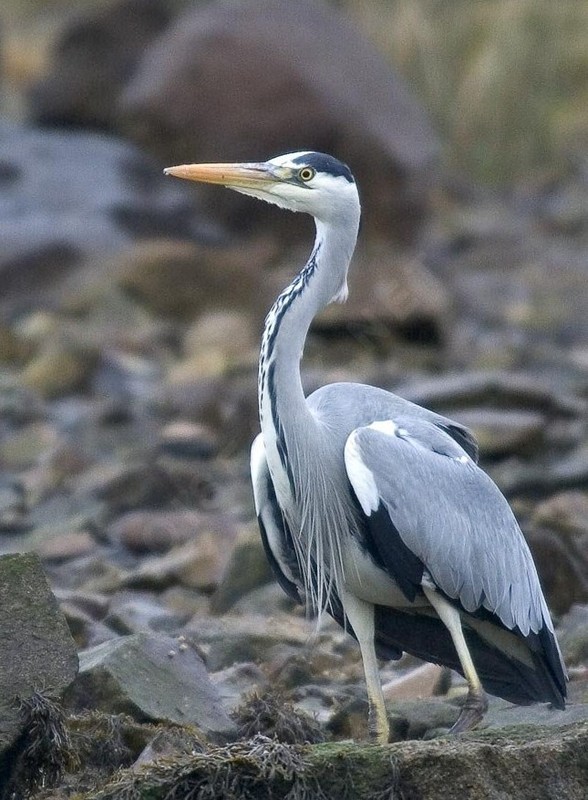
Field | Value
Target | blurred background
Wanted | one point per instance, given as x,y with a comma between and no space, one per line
131,305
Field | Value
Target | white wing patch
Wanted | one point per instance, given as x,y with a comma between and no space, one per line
388,427
362,478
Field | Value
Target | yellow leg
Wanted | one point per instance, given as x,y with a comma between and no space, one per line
361,616
476,703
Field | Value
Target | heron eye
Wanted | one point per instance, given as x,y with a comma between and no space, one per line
306,174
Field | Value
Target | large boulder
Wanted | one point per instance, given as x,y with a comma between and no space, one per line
245,80
249,80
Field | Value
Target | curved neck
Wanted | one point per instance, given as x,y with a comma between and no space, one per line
323,279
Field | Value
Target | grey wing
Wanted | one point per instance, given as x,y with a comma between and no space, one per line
276,538
434,515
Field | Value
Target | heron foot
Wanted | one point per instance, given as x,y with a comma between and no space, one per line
472,712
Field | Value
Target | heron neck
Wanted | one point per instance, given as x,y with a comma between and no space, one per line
322,280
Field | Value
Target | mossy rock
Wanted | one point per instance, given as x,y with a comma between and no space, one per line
529,763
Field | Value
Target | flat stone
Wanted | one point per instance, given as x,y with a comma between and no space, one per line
150,676
38,652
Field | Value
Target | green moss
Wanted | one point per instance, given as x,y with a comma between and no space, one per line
527,763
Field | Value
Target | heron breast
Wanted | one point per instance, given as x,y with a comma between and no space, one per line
368,581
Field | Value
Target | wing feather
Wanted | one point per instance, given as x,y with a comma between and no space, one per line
449,515
275,536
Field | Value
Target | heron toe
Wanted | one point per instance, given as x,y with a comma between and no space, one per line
472,712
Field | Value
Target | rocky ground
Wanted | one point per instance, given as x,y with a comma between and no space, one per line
141,629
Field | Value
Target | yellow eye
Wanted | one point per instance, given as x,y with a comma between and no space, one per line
306,174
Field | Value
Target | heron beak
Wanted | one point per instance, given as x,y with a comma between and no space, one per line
234,176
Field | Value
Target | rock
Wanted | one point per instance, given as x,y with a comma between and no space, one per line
55,216
572,634
132,612
184,439
38,653
71,544
184,601
197,564
12,507
529,763
25,446
59,368
565,512
126,378
225,403
267,599
562,567
423,681
236,682
503,715
217,342
558,535
150,677
157,531
501,432
497,389
247,569
321,85
181,280
388,292
125,485
92,58
83,611
13,348
231,639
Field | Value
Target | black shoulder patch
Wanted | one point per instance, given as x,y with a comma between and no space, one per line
325,163
463,437
385,545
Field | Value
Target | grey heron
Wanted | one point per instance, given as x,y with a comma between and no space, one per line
374,508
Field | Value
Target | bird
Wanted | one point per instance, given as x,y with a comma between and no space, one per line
372,508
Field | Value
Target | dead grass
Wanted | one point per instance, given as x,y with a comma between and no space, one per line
505,80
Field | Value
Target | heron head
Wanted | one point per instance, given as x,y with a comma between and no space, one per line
314,183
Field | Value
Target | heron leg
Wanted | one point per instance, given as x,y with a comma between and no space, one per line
361,617
476,703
